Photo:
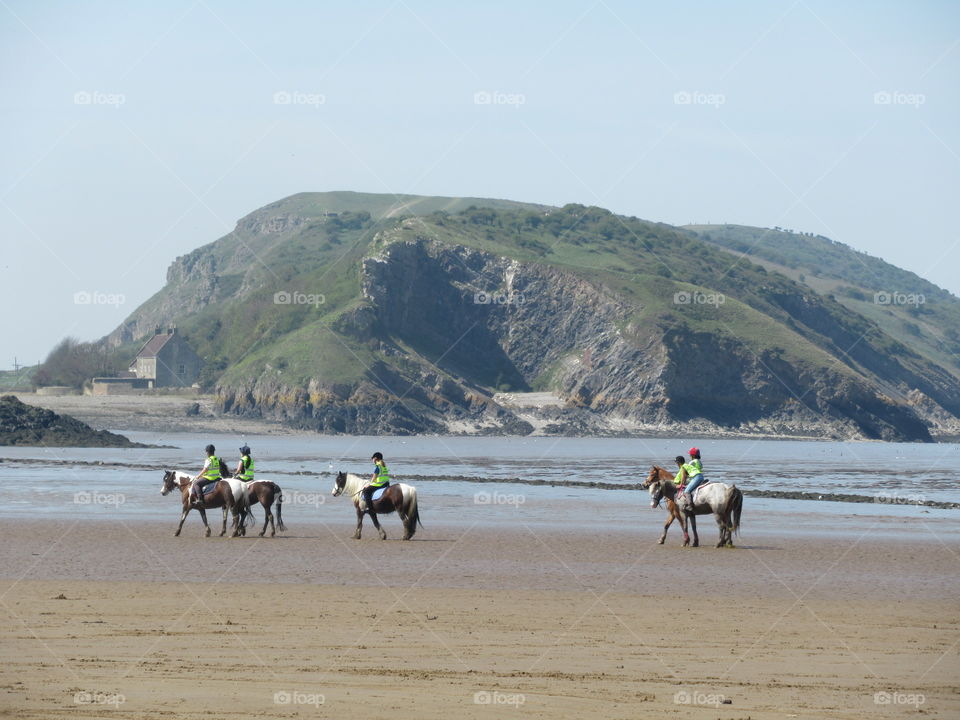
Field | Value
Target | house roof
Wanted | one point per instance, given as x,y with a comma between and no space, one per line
152,346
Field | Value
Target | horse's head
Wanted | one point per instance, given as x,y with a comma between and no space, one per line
654,486
169,481
652,477
340,483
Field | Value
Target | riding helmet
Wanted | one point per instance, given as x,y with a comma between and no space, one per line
694,453
210,449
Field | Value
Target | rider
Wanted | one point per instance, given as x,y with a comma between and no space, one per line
681,479
379,479
244,469
209,474
694,471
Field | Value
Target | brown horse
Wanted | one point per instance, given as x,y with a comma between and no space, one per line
263,492
724,501
226,494
398,497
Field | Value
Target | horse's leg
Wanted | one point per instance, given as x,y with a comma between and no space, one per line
677,513
356,534
203,516
666,526
267,518
183,516
376,524
223,529
693,527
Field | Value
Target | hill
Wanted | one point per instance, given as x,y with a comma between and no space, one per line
359,313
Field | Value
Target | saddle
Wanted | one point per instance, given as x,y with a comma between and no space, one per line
209,488
377,494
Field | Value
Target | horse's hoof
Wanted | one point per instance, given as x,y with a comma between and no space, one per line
356,536
660,541
207,533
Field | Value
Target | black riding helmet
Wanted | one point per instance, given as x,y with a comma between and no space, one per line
377,456
245,450
210,449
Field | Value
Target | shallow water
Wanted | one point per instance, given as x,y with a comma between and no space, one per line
895,474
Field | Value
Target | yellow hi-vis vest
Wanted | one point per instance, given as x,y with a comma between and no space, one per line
213,469
383,476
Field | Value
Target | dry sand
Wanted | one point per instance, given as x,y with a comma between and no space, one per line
122,620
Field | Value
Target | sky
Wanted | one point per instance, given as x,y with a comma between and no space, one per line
132,133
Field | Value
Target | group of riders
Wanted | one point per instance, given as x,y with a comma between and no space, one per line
214,469
688,479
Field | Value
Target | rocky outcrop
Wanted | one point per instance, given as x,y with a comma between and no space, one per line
22,424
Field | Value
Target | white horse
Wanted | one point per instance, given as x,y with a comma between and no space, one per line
398,496
235,498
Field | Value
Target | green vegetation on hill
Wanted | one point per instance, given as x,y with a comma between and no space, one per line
289,309
911,310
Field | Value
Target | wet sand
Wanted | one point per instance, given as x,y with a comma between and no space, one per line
120,619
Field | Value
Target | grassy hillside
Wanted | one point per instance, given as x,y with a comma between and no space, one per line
283,311
911,310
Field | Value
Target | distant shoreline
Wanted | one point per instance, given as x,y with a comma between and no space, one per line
179,413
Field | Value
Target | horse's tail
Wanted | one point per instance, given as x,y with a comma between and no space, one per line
279,493
412,512
737,506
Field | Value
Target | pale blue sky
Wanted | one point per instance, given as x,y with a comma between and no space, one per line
134,132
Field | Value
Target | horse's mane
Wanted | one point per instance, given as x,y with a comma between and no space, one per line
354,483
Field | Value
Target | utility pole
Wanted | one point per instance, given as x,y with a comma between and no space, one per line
16,365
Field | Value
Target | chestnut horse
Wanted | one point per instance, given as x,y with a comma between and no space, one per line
724,501
263,492
400,497
227,494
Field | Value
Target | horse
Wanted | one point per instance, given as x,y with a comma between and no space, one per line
228,494
263,492
400,497
724,501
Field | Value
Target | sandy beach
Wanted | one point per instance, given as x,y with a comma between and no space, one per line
120,619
